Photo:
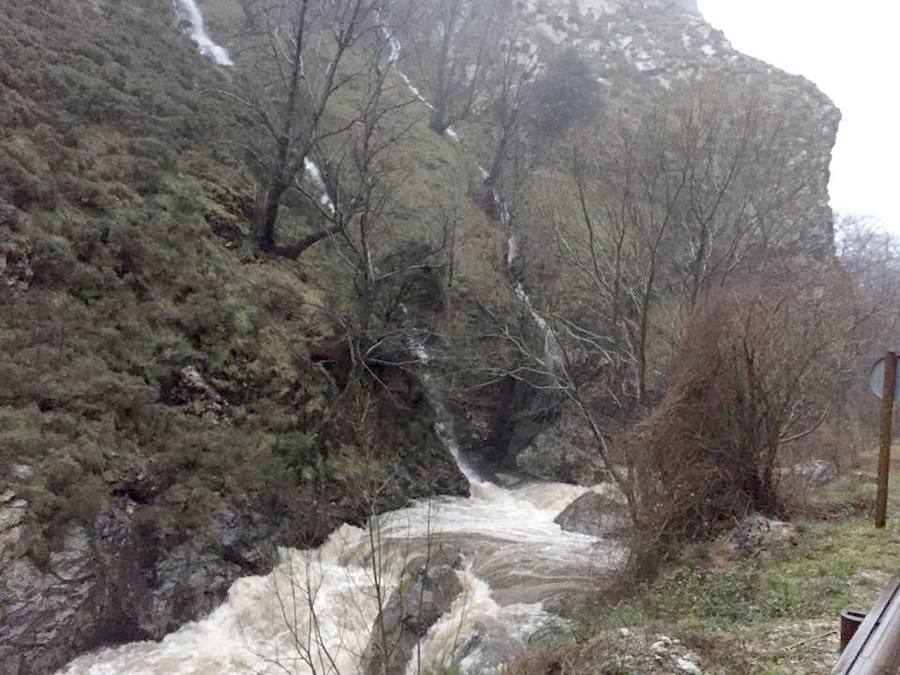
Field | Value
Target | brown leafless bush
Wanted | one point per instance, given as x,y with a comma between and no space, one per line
759,370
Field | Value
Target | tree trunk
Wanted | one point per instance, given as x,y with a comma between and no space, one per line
439,118
267,217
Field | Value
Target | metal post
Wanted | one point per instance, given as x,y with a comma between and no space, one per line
887,429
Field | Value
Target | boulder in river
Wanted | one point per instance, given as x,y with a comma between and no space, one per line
425,594
594,514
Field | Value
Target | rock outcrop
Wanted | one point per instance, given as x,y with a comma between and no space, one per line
641,49
550,457
189,388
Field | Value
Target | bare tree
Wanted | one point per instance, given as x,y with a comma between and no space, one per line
452,40
512,79
627,187
743,189
760,368
641,217
295,61
871,257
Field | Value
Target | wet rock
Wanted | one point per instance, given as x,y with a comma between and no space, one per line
130,475
46,610
424,596
193,583
241,539
552,633
490,646
500,422
110,582
594,514
12,529
756,535
550,457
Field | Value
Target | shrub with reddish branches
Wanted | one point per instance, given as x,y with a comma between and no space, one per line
758,369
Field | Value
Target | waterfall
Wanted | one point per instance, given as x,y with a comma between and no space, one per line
314,174
552,349
188,10
394,59
443,426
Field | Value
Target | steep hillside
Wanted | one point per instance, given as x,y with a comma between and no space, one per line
161,417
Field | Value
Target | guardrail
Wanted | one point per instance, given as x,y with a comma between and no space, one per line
874,648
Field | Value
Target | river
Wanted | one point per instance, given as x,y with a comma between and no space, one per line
321,604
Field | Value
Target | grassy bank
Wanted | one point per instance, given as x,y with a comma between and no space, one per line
769,615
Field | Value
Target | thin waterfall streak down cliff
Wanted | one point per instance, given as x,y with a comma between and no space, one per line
314,174
394,58
443,426
190,12
552,349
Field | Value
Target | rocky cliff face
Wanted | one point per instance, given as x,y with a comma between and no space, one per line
643,48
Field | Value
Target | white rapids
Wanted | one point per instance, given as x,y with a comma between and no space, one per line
189,11
516,559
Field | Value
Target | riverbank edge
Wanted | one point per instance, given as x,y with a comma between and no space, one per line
772,614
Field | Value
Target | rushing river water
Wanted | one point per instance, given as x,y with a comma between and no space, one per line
321,604
316,611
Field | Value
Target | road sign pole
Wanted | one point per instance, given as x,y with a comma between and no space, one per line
887,429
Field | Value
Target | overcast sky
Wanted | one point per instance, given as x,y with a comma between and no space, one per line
849,48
